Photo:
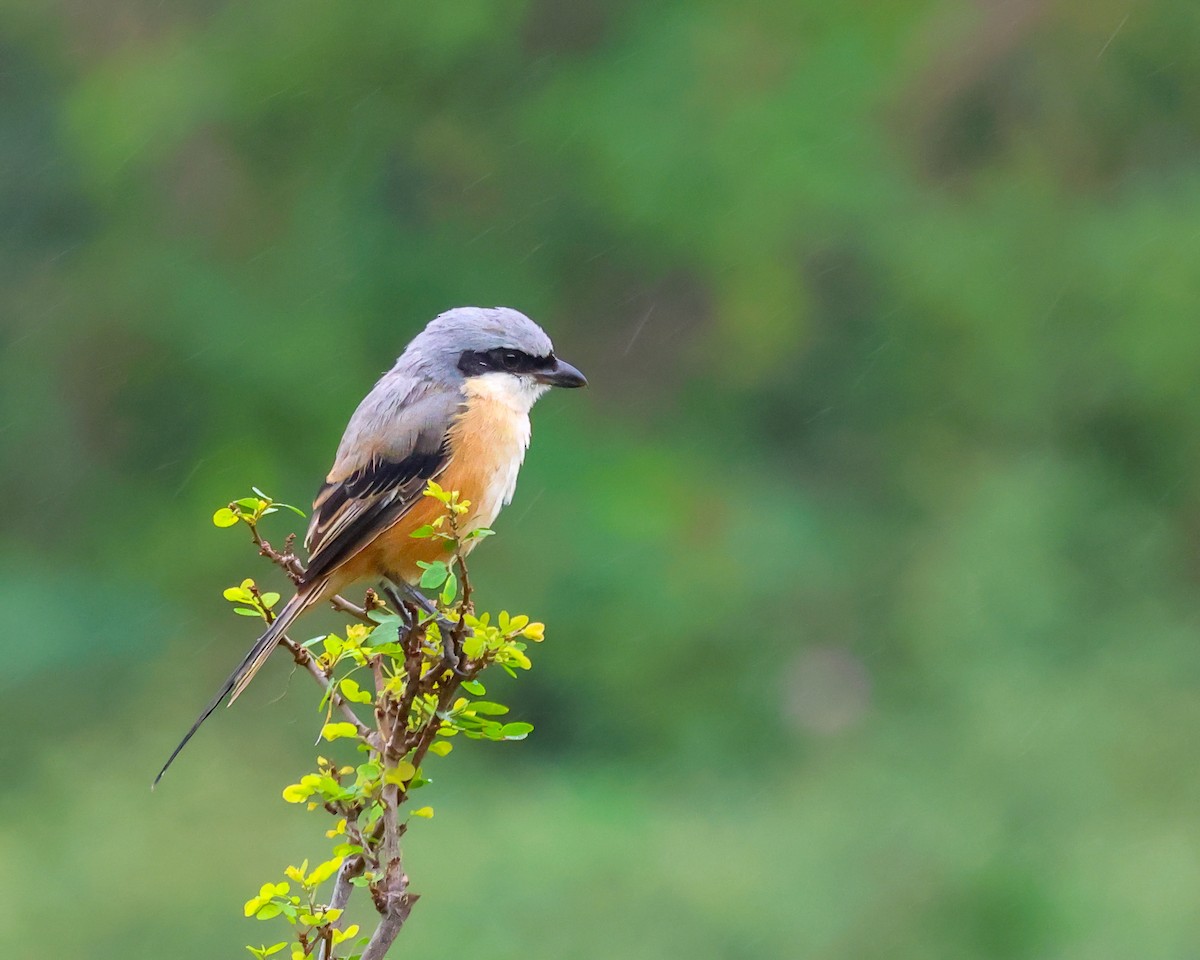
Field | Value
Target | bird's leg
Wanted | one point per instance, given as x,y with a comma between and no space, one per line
400,592
400,605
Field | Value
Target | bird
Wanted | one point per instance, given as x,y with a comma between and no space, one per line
453,409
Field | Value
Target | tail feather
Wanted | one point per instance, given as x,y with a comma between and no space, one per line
237,681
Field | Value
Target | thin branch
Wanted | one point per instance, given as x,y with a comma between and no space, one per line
305,659
391,896
338,602
382,718
396,744
397,732
342,888
291,565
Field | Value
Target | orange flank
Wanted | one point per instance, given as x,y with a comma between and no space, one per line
487,443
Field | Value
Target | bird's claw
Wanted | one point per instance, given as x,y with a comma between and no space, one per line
411,605
452,652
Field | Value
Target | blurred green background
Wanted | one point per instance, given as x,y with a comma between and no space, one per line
869,558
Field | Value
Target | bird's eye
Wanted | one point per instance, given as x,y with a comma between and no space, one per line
511,359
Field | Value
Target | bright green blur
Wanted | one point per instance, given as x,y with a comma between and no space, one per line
869,557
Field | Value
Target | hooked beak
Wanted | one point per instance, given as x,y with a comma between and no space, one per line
562,374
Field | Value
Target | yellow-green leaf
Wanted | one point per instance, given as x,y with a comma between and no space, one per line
353,692
335,731
400,774
473,646
535,632
338,830
224,518
340,935
296,793
323,872
426,812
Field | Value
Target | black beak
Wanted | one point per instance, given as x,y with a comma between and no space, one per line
561,374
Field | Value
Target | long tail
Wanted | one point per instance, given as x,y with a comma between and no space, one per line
250,665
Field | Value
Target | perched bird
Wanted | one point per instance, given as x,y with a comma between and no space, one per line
455,409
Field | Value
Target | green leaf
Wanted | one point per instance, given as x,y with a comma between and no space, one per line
473,646
516,731
246,612
373,813
450,590
474,687
441,747
268,911
270,599
426,812
388,630
422,533
435,574
492,730
488,708
224,518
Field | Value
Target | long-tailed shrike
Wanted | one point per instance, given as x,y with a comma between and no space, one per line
455,409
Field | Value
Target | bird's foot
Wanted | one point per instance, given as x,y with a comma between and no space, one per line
406,598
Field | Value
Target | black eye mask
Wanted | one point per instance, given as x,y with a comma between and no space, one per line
502,360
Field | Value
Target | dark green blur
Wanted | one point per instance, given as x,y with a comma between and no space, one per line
869,557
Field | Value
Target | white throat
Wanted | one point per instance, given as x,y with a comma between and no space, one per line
510,398
518,393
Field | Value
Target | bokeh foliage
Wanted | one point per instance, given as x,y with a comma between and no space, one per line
870,554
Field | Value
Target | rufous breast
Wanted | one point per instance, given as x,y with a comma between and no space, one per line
488,440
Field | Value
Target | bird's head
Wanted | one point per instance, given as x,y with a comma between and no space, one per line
509,351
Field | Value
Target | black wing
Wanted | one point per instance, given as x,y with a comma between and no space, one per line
349,514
